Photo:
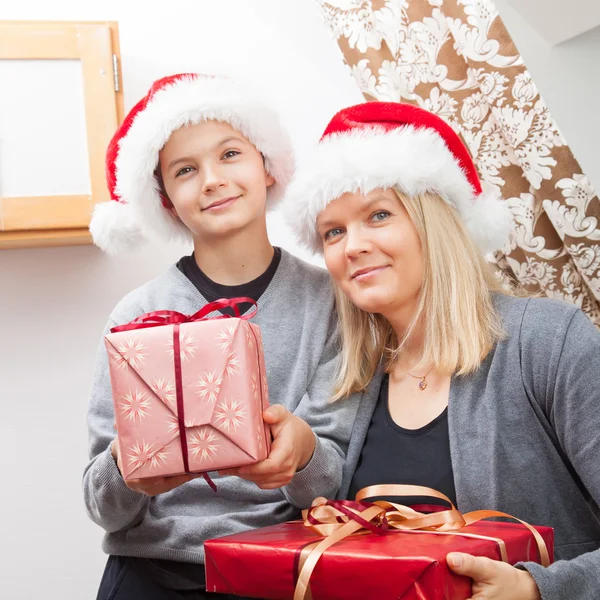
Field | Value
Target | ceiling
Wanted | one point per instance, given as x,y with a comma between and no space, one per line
559,20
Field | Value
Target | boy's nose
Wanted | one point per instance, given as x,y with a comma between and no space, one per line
213,179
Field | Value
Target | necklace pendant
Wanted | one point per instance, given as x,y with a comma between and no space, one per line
423,384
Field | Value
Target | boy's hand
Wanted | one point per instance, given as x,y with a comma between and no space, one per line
151,486
292,448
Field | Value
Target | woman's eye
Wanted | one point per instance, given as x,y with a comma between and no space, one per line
230,153
184,171
332,233
380,215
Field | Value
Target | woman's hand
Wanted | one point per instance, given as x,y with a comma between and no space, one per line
292,448
492,579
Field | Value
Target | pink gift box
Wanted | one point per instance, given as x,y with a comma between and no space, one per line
215,386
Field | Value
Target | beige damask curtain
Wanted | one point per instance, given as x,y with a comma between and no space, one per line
456,58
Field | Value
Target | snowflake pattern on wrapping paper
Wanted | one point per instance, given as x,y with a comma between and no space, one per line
230,414
164,389
135,405
158,458
232,365
259,435
118,359
255,386
209,386
187,346
225,337
131,352
249,337
173,424
265,387
203,443
142,452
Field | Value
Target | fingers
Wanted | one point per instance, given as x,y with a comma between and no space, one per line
114,449
278,469
276,416
275,413
477,567
270,480
159,485
275,471
227,472
116,454
279,459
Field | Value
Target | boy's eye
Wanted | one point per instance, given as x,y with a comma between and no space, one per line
380,215
230,153
329,235
183,171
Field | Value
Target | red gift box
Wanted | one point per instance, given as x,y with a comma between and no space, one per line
397,563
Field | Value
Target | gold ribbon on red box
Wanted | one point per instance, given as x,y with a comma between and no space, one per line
338,519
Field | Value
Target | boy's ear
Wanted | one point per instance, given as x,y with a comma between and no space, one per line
270,180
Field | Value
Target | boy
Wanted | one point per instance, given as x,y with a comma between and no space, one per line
197,159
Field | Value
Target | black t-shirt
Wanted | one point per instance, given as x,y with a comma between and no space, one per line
392,454
212,290
186,576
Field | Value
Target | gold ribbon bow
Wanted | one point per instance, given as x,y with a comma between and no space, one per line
338,520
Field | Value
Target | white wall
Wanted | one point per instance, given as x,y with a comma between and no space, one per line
54,302
557,20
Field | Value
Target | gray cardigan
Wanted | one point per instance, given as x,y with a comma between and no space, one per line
525,437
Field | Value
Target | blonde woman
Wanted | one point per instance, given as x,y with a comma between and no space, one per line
492,399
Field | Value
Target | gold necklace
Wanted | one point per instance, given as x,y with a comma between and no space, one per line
423,382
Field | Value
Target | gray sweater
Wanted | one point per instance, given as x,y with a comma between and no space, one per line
297,323
525,437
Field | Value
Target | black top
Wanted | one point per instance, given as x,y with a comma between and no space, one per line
392,454
186,576
212,290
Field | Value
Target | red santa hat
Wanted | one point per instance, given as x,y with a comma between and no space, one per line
137,209
387,144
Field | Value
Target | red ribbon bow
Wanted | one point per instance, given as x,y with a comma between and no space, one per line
172,317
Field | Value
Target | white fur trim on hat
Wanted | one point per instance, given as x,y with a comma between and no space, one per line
114,227
488,221
413,160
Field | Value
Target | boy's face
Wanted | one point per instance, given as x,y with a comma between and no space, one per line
215,179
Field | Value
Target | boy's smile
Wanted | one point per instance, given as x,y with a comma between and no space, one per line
221,204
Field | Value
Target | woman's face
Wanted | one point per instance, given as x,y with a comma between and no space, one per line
372,250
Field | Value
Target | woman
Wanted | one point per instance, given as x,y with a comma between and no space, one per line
489,398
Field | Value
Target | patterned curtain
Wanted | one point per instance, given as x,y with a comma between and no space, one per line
456,59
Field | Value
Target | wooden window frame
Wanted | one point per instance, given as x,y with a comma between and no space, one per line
64,219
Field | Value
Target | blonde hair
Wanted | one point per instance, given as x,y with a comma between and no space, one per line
455,305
